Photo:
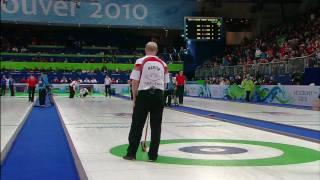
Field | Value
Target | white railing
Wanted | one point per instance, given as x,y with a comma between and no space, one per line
293,65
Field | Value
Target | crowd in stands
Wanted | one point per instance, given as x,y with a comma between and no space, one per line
108,50
294,79
67,76
73,40
99,54
280,43
236,80
107,45
86,80
65,80
47,54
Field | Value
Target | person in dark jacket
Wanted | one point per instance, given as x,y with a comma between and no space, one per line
11,85
168,93
42,86
3,85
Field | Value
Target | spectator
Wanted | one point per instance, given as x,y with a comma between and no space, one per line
93,81
227,81
222,81
257,82
296,78
23,50
238,80
63,80
225,61
272,81
69,80
318,54
23,80
15,50
55,80
86,80
258,53
113,80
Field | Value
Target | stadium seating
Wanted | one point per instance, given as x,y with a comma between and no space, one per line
282,51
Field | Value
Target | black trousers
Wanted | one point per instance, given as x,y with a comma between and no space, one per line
31,91
248,96
108,90
11,87
168,97
3,90
72,92
42,97
148,101
180,92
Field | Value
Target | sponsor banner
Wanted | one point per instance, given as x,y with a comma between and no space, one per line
121,89
304,95
155,13
282,94
207,91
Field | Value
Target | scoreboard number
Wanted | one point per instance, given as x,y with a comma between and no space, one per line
203,28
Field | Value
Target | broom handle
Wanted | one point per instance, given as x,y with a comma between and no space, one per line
146,132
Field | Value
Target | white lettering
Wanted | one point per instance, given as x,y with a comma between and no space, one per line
33,10
61,8
45,9
143,9
14,4
66,8
117,11
73,9
127,8
97,13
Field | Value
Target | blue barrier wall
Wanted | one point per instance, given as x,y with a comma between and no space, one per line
311,75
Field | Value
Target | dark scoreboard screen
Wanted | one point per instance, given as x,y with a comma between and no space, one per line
203,28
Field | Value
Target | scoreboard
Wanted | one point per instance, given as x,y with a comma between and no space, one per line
203,28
